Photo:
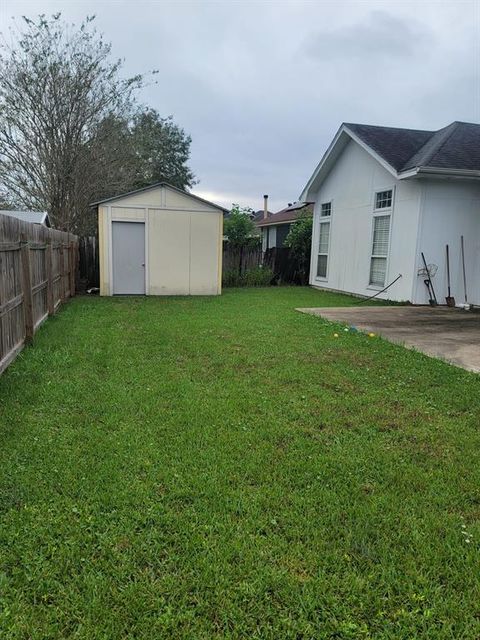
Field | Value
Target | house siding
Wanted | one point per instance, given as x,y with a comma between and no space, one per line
449,209
351,186
275,236
282,232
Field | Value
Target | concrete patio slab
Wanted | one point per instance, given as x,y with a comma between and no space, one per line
441,332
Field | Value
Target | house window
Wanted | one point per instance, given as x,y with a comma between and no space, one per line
378,260
323,239
326,209
383,199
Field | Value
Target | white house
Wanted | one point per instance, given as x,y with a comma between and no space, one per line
385,195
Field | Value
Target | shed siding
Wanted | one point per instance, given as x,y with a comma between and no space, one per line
351,187
103,246
153,197
176,200
169,246
203,254
128,213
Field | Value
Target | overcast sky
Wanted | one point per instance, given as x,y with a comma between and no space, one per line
262,87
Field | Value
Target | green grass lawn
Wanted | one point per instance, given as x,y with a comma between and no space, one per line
209,468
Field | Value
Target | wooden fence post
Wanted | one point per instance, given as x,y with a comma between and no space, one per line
62,273
27,288
71,253
77,266
49,268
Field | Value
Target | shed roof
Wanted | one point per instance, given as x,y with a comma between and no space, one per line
156,186
37,217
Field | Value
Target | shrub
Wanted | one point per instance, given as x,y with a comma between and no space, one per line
299,241
240,232
258,277
231,278
255,277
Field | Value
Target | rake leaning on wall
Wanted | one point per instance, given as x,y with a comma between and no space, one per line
37,274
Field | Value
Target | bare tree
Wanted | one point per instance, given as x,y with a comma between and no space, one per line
64,112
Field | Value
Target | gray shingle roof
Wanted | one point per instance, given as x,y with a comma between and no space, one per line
289,214
456,146
258,215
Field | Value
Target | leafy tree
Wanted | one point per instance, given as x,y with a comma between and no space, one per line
61,102
161,151
5,202
71,131
299,240
240,231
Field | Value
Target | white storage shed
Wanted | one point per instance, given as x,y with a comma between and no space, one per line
160,240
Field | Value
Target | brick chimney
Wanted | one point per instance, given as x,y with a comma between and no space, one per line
265,207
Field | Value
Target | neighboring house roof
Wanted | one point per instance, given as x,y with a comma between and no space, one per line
289,214
156,186
258,215
37,217
453,150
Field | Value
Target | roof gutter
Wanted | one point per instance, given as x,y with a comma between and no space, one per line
419,172
273,223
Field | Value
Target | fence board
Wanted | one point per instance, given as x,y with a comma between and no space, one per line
33,280
89,270
279,259
241,260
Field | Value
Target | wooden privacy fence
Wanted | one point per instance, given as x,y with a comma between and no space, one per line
88,261
243,259
37,273
286,270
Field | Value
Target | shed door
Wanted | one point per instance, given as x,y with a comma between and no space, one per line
128,248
